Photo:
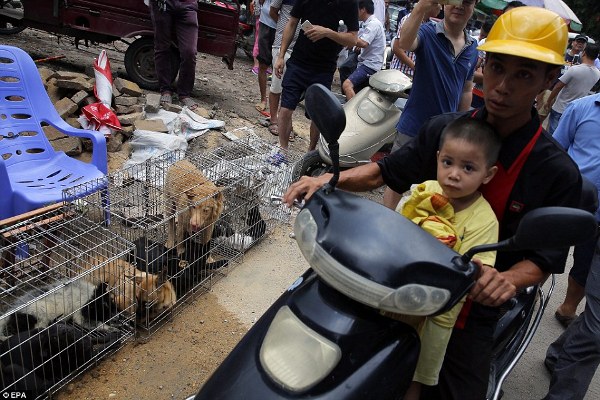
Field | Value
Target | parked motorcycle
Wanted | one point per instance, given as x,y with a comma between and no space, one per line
326,336
372,115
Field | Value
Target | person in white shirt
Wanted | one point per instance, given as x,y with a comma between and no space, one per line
371,42
573,84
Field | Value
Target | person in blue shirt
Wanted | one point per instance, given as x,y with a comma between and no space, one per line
574,357
443,79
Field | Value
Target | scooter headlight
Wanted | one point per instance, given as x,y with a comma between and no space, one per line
294,355
411,299
369,112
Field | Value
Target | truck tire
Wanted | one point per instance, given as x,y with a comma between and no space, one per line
310,164
10,26
139,63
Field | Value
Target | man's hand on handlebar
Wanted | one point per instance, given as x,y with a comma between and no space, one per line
304,188
492,288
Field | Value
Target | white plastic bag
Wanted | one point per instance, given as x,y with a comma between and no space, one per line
147,144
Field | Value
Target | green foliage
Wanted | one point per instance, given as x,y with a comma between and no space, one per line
588,12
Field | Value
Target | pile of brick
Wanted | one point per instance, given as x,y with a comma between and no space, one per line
70,91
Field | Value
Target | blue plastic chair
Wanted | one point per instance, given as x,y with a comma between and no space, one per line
32,174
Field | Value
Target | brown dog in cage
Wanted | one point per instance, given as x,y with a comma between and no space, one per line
133,287
197,202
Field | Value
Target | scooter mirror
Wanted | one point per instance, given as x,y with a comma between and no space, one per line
327,113
545,228
325,110
550,227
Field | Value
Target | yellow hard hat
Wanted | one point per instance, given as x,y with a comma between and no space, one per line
529,32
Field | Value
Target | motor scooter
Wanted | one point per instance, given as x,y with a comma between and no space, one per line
326,337
372,115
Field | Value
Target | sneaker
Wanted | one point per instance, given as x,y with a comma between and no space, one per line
254,70
269,71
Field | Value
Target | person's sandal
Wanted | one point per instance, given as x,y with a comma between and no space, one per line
166,98
189,103
262,109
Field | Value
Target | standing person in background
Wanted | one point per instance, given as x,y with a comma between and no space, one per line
265,53
572,57
255,9
578,132
575,83
574,357
175,21
573,54
280,12
314,59
443,80
371,42
405,60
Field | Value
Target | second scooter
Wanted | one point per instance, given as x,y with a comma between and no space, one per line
372,116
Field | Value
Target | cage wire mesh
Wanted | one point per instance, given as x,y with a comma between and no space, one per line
64,302
167,216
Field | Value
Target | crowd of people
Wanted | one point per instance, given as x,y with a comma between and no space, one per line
533,170
471,132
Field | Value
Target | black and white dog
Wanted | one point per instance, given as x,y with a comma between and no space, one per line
76,302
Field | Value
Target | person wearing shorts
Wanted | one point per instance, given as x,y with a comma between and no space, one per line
371,44
314,59
266,37
280,12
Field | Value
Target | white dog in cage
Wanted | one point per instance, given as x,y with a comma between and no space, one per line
195,200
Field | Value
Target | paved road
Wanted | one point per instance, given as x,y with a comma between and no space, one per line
530,379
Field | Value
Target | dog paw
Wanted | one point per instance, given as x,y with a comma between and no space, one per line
170,243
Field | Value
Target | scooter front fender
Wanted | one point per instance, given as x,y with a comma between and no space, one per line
378,354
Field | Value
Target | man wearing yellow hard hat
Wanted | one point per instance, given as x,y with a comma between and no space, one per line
525,49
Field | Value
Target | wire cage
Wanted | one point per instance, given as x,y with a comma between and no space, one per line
66,300
191,218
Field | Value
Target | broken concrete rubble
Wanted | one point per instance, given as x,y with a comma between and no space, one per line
70,91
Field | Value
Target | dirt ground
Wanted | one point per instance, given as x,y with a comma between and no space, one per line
174,362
